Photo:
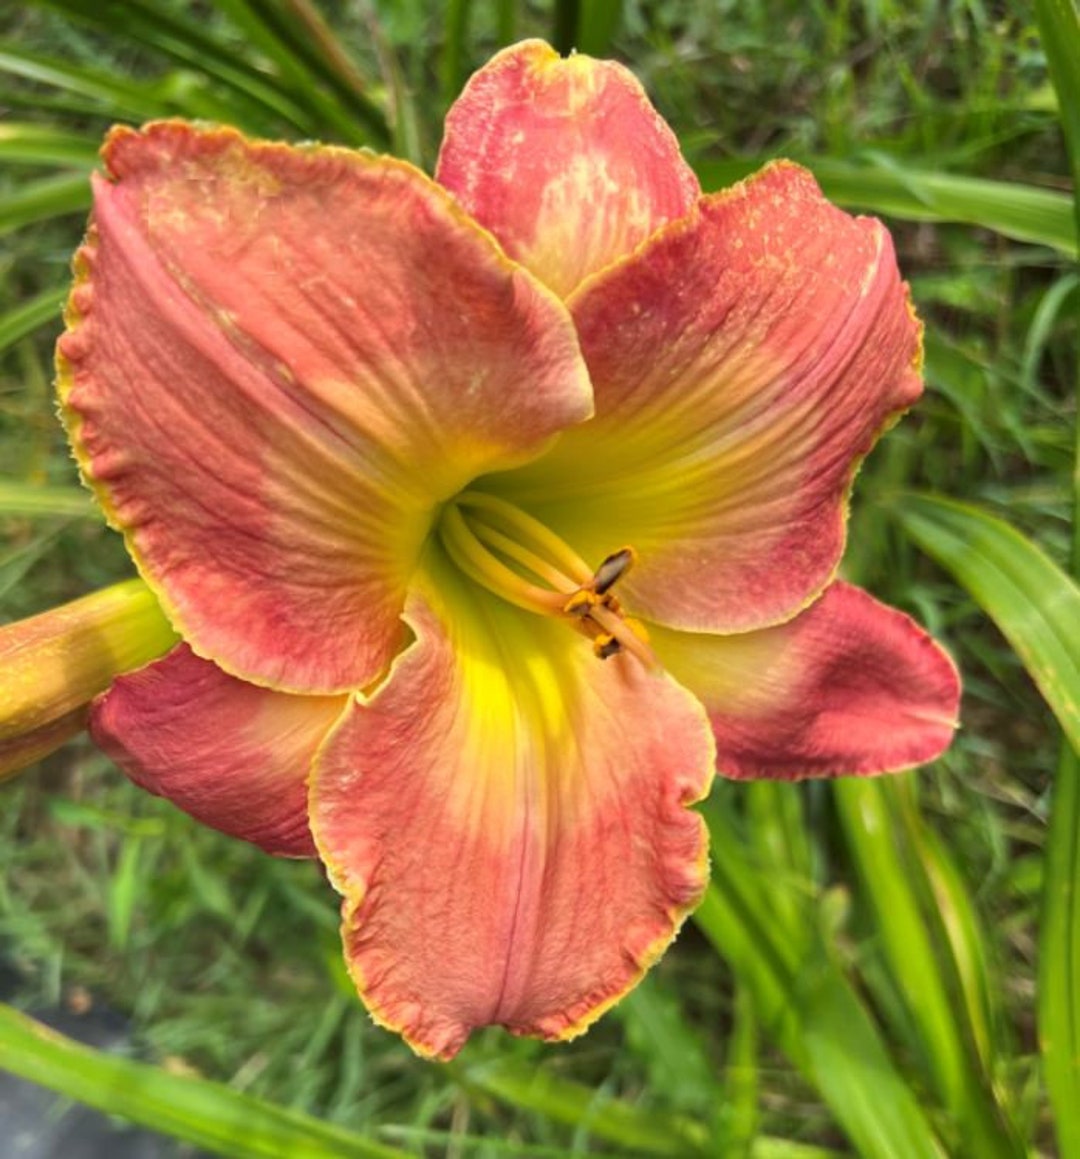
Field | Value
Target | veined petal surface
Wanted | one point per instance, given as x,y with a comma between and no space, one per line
233,755
506,819
279,361
744,362
848,686
565,161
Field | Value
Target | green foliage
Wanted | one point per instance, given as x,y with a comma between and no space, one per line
188,1108
860,978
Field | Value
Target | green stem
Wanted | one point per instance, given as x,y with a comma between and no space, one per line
565,31
1059,941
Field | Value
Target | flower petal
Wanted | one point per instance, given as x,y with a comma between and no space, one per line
744,362
506,819
53,664
280,361
848,686
233,755
565,161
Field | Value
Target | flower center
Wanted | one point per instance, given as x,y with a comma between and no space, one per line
524,562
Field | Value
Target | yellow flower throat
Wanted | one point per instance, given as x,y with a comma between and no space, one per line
506,551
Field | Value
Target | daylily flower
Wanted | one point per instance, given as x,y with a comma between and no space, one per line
495,513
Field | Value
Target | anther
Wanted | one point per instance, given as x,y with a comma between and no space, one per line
581,603
613,568
605,645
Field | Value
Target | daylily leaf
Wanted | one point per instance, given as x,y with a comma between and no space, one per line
38,200
29,315
1059,955
808,1006
30,500
1059,24
262,24
205,1113
1023,212
1059,973
884,835
452,67
1033,602
110,95
192,44
302,29
46,145
591,1110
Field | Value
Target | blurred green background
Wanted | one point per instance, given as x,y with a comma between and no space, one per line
887,968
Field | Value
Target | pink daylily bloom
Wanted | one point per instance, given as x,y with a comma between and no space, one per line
496,513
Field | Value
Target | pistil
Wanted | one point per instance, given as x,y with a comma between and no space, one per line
494,543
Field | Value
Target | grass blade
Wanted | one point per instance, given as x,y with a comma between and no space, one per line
507,21
805,1001
267,27
672,1054
877,822
597,25
407,137
196,48
39,200
26,499
300,26
29,315
564,25
1033,602
590,1110
735,1116
452,70
326,54
45,145
113,97
1059,958
194,1110
888,186
1059,25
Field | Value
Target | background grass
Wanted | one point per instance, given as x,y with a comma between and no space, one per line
862,976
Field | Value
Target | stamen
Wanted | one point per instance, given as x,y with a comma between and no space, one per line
490,539
605,646
515,550
581,603
613,569
479,564
630,634
524,528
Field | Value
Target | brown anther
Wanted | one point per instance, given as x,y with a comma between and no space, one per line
613,568
580,603
605,645
597,614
